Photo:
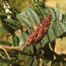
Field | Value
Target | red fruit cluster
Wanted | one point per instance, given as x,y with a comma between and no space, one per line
40,31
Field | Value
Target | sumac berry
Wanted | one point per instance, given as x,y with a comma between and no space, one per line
40,31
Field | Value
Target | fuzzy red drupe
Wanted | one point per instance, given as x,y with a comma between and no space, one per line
40,31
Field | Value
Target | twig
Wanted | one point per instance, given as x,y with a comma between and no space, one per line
2,56
6,53
11,48
33,38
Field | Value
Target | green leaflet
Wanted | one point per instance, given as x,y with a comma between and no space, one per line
19,17
28,17
27,50
26,59
31,30
33,16
24,14
29,62
37,48
63,25
25,19
15,40
57,29
22,57
35,62
51,11
3,31
21,41
31,50
51,34
13,23
46,61
9,27
44,40
64,17
8,61
24,36
42,12
58,12
38,11
5,43
55,64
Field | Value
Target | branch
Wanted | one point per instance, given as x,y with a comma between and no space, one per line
11,48
33,38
